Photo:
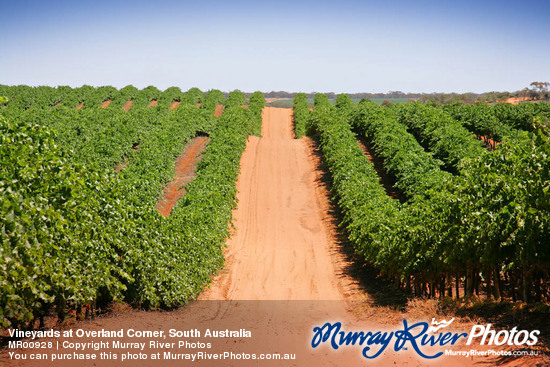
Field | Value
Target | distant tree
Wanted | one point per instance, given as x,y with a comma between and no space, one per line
524,93
533,94
541,89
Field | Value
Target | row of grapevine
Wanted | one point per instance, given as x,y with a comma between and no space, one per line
56,220
485,226
256,103
446,138
521,116
24,97
415,170
75,233
300,114
364,203
481,119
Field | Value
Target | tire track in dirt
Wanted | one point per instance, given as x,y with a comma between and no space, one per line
281,249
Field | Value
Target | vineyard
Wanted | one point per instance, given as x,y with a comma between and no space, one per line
83,170
476,179
75,233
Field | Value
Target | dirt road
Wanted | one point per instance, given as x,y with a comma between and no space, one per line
281,248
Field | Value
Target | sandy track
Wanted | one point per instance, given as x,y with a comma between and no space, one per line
280,249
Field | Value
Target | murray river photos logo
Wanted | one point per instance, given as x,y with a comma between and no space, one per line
418,337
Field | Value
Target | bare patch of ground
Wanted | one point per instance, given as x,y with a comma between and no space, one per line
186,165
516,100
219,110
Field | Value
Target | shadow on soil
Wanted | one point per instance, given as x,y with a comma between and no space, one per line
383,292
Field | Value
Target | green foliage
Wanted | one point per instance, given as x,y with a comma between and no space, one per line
300,114
236,98
172,94
213,98
148,94
57,225
193,96
416,171
343,101
446,138
505,204
492,216
74,232
364,203
256,103
321,100
480,118
519,117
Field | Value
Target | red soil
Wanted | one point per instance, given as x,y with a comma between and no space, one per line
128,105
106,104
57,104
153,103
174,105
219,110
80,105
488,142
186,165
119,167
516,100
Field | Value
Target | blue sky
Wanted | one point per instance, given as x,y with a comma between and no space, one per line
339,46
